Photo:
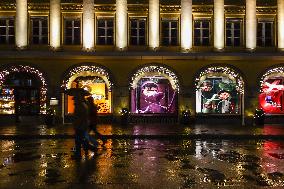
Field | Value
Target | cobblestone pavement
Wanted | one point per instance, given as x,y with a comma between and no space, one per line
143,164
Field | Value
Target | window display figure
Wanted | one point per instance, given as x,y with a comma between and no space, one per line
217,101
152,97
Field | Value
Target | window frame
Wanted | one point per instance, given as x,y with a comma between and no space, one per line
7,26
241,21
209,19
105,28
263,21
71,18
137,30
31,29
170,20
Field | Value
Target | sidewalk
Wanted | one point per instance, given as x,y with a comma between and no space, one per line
154,131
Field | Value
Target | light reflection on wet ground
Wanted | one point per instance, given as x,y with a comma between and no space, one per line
143,164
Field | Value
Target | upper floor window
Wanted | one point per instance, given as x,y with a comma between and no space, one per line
137,31
7,31
105,31
233,32
169,32
265,33
39,30
72,31
202,32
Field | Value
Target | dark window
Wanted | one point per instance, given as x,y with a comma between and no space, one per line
137,31
201,32
105,31
39,30
7,31
265,33
72,32
233,32
169,32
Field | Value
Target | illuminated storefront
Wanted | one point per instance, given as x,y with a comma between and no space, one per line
154,90
219,90
96,81
22,91
271,98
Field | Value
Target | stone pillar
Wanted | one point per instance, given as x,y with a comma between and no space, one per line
154,23
186,25
121,24
21,24
55,24
88,25
280,22
219,24
251,24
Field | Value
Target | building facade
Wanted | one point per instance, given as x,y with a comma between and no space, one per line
219,59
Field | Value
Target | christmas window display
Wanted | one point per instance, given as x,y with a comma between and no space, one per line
154,90
96,81
219,91
271,98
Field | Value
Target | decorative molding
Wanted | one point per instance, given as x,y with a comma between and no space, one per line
7,6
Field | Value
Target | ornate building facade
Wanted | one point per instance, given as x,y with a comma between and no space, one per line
219,59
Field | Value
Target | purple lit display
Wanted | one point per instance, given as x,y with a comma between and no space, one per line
153,95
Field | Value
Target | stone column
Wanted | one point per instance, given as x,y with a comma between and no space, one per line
186,25
219,26
280,22
154,23
21,24
88,25
251,24
121,24
55,24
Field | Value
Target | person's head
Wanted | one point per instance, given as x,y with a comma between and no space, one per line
224,95
206,86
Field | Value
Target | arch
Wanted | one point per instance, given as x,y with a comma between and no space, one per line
271,93
219,90
87,69
97,79
6,70
154,69
154,89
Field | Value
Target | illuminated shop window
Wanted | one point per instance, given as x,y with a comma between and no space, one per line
265,33
105,31
201,32
94,79
72,31
39,30
219,91
169,32
7,31
97,87
153,95
22,91
137,31
233,32
154,90
271,98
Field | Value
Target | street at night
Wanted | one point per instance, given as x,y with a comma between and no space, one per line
144,163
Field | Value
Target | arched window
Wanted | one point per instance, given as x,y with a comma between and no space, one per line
22,90
94,79
219,91
271,98
154,90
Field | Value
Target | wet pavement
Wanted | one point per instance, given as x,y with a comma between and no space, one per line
131,160
143,164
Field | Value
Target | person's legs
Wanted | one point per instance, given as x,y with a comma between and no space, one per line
78,142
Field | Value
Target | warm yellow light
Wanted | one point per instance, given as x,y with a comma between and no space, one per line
88,25
280,20
250,24
55,17
186,24
154,18
21,24
121,24
219,24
